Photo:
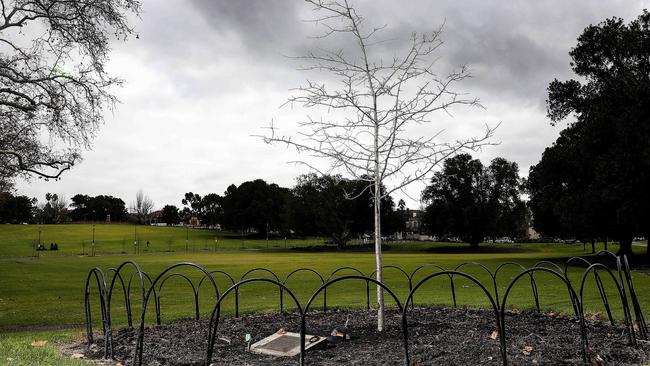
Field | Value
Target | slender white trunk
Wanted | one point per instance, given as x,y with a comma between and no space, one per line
377,204
378,258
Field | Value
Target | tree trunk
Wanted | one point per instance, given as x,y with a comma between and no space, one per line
606,242
625,247
379,262
377,198
593,246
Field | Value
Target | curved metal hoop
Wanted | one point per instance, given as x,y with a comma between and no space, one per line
216,313
621,292
101,287
533,283
322,280
155,288
431,265
195,291
258,269
638,313
127,297
572,295
139,348
303,320
452,273
331,275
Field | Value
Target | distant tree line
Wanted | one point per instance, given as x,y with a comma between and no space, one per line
329,206
465,200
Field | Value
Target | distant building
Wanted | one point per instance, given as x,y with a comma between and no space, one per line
155,217
413,221
413,226
531,234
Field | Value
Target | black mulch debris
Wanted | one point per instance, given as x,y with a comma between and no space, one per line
437,336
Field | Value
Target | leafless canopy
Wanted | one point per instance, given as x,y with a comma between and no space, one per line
53,85
377,102
142,206
374,107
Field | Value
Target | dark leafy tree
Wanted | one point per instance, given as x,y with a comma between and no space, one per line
186,215
207,209
472,202
255,206
592,182
54,87
170,215
193,203
16,209
337,208
211,210
98,208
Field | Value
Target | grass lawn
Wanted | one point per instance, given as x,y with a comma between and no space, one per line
36,293
75,239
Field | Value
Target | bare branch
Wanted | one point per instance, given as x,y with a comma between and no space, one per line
53,87
372,110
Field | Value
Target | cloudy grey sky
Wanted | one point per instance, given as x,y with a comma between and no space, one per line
205,75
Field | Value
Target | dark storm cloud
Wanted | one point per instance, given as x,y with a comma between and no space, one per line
264,26
514,49
205,75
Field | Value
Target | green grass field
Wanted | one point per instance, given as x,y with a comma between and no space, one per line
43,292
77,239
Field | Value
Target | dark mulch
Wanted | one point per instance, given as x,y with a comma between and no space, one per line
437,336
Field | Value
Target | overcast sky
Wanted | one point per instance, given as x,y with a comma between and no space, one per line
206,75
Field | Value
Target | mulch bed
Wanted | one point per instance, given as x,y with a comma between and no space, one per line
437,336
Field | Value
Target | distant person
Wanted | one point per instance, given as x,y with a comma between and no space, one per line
147,243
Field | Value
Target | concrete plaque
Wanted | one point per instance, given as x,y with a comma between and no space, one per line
285,344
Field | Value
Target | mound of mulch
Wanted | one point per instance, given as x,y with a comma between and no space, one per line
437,336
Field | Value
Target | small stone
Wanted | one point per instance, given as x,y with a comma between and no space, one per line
527,350
77,355
494,335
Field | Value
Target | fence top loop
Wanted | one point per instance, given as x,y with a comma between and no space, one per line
187,279
351,277
572,293
595,267
232,280
549,263
322,280
428,265
458,267
138,271
262,269
452,273
393,267
329,277
102,285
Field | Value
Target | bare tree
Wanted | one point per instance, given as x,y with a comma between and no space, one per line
374,107
142,206
53,84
